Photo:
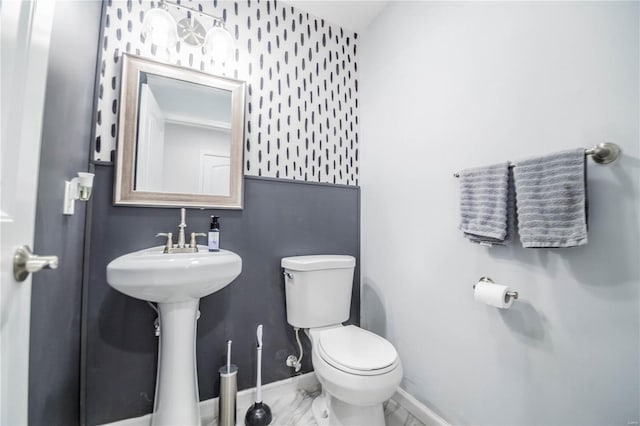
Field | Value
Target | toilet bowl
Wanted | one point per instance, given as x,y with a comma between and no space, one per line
358,370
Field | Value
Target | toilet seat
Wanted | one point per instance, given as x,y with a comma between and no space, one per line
356,351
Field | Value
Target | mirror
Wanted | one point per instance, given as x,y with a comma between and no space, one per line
180,138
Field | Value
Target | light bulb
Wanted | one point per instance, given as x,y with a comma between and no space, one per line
219,44
159,28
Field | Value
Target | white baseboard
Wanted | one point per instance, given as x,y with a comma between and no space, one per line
417,409
309,381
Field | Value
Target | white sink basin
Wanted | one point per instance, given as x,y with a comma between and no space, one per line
176,281
155,276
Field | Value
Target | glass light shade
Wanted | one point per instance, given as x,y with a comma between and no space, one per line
159,28
219,44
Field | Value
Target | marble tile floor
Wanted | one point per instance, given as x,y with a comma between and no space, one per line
294,409
396,415
290,402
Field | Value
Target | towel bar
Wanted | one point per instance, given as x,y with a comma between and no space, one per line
603,153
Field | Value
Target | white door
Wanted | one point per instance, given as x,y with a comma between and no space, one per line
215,173
26,32
150,149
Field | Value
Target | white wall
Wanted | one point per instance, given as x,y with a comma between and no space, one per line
450,85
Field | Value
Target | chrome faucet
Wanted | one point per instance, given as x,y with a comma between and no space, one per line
183,224
181,247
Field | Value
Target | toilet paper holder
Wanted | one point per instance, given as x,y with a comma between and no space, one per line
510,294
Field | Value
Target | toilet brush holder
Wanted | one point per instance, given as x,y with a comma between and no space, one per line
228,395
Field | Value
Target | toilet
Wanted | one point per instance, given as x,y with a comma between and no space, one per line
358,370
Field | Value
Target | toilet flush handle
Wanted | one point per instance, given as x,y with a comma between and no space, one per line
288,275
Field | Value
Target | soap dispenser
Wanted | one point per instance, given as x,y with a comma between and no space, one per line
214,234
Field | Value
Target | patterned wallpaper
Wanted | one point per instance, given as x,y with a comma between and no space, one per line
301,74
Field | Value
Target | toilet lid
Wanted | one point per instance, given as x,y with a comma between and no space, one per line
356,349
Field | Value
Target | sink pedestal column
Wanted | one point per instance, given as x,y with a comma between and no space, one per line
177,400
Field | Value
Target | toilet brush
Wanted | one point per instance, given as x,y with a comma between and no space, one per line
259,414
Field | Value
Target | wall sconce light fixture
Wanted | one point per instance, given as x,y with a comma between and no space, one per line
160,28
78,188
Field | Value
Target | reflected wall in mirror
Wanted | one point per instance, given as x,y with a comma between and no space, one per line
180,139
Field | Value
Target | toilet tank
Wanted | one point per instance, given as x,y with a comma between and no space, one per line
318,289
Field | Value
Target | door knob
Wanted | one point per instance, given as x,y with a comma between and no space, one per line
25,262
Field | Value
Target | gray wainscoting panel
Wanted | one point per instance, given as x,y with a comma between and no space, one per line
54,356
281,218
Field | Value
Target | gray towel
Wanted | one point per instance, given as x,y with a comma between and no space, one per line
551,200
511,219
483,204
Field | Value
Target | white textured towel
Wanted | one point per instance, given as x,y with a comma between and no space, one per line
484,194
552,200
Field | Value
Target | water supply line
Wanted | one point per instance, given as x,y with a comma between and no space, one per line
156,321
293,361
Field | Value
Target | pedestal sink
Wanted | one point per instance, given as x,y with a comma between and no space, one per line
176,282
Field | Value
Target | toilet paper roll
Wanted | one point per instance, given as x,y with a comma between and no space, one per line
492,294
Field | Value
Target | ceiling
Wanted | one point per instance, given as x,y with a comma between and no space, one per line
354,15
